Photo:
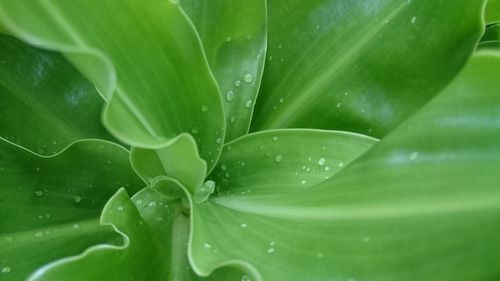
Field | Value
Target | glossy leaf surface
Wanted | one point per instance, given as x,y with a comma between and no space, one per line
148,63
45,103
155,235
234,37
50,206
423,202
361,66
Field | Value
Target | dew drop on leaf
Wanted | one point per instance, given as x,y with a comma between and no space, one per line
413,156
321,161
77,199
230,95
247,77
204,108
278,158
245,278
6,270
76,226
248,104
237,83
38,193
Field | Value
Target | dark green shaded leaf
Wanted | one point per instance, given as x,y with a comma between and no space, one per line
361,66
45,103
50,206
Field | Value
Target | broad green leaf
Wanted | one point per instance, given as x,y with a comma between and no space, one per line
297,159
155,233
148,62
364,65
45,103
234,36
422,204
50,206
179,160
492,12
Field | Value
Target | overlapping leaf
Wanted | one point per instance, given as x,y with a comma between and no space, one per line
50,206
155,233
423,203
361,66
234,36
148,62
45,103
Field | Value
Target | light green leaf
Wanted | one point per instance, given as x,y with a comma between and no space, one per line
492,12
489,45
234,36
423,203
148,62
179,160
362,66
50,206
155,235
297,159
45,103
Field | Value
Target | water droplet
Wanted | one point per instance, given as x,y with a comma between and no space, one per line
339,105
233,118
204,108
218,140
319,255
208,246
318,26
278,158
248,104
248,37
38,193
366,239
223,166
77,199
174,1
327,168
280,46
346,93
247,77
243,225
7,270
229,38
195,130
152,204
37,169
39,234
302,181
413,156
159,219
275,139
76,226
120,208
281,100
230,95
270,250
341,164
237,83
209,186
270,58
413,20
245,278
138,202
321,161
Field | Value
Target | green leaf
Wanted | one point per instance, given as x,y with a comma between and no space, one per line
297,159
148,62
234,36
177,160
492,12
45,103
50,206
492,33
155,235
362,66
489,45
423,202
